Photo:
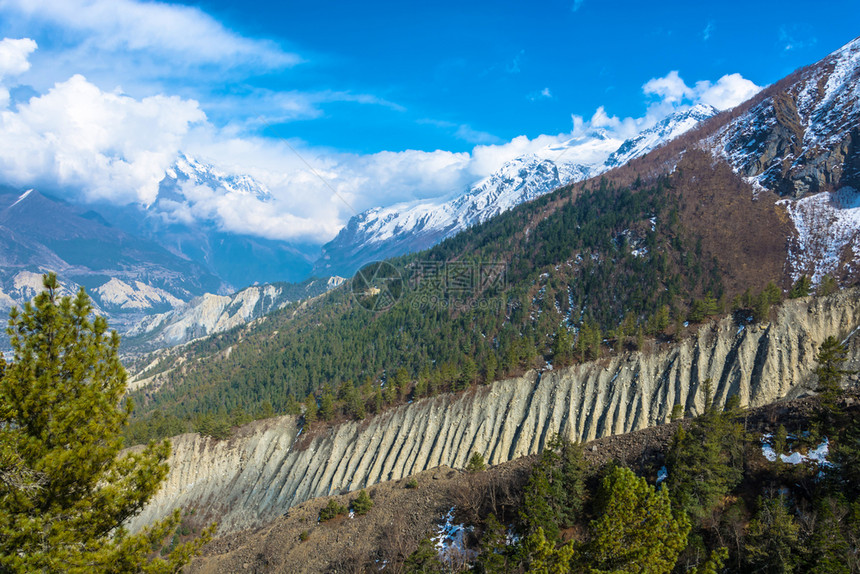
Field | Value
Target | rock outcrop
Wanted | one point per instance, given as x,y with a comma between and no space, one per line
267,467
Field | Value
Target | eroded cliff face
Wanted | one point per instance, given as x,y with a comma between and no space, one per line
261,472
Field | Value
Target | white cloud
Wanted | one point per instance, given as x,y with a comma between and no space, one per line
151,27
87,143
14,56
670,88
729,91
14,60
104,145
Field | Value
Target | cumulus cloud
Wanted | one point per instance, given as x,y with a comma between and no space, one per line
105,145
729,91
670,88
92,144
14,56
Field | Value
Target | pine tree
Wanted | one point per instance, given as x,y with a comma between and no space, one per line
801,287
490,368
327,403
65,491
310,409
706,462
468,373
637,530
362,504
773,538
476,463
543,557
831,356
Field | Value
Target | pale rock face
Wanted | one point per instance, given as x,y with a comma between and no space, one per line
210,314
257,475
25,285
135,295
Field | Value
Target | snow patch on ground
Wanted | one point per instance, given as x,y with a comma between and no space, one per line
450,541
827,224
818,455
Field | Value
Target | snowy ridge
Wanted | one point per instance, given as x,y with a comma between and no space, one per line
796,140
189,169
828,232
21,198
801,142
385,232
665,130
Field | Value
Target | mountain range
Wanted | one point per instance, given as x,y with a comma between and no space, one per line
711,215
139,262
667,287
384,232
797,138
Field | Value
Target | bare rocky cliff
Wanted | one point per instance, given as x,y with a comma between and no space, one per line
267,467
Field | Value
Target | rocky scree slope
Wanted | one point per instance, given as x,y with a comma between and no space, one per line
268,467
402,516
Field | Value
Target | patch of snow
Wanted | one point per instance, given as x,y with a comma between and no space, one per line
818,455
21,198
662,474
450,541
828,225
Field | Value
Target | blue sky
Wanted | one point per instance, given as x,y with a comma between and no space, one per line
485,65
385,101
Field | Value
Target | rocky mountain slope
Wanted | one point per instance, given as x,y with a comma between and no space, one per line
126,275
270,466
801,139
380,233
407,510
211,313
142,267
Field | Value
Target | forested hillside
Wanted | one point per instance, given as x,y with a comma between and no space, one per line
772,489
571,276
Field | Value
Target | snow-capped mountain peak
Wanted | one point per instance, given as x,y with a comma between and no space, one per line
663,131
189,169
389,231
